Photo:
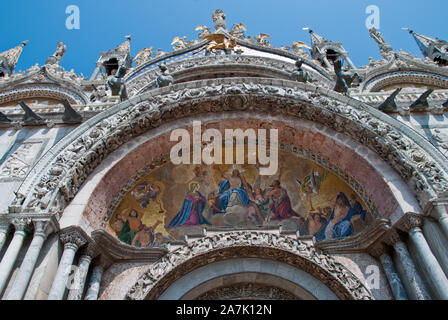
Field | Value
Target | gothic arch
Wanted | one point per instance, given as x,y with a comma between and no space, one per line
214,248
63,169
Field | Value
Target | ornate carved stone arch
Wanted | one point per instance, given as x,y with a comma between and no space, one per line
404,78
42,83
66,166
41,91
213,248
143,79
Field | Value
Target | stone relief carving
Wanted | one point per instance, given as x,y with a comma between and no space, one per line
337,277
73,236
19,162
72,166
138,83
247,291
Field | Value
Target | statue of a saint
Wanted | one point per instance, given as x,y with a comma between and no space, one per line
219,18
58,55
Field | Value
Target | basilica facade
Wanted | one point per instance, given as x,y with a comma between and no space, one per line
93,206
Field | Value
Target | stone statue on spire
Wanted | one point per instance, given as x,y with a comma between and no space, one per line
219,18
385,48
58,55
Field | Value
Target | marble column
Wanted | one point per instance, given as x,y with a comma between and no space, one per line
437,242
81,274
41,231
4,228
72,240
411,276
95,279
439,212
436,277
10,257
379,251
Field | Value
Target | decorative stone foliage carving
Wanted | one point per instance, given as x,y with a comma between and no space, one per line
410,221
73,236
21,224
142,80
248,244
247,291
403,150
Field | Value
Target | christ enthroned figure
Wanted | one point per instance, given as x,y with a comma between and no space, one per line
229,186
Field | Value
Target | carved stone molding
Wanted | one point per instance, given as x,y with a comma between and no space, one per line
44,82
119,251
230,245
410,221
73,236
357,243
43,227
75,156
91,250
377,250
247,291
144,79
436,208
392,237
401,69
21,224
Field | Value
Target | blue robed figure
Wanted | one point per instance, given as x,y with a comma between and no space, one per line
225,193
191,212
343,228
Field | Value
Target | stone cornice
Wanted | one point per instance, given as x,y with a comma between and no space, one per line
358,243
33,218
377,250
392,237
91,250
118,251
428,209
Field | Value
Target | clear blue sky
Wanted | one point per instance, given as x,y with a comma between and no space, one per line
155,23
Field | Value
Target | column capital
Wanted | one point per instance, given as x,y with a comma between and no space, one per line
377,250
43,228
410,221
21,224
392,237
438,203
73,236
91,250
103,261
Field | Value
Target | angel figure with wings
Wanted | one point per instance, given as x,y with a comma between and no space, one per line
310,185
147,192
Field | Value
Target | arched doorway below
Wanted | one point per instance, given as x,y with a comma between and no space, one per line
248,278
